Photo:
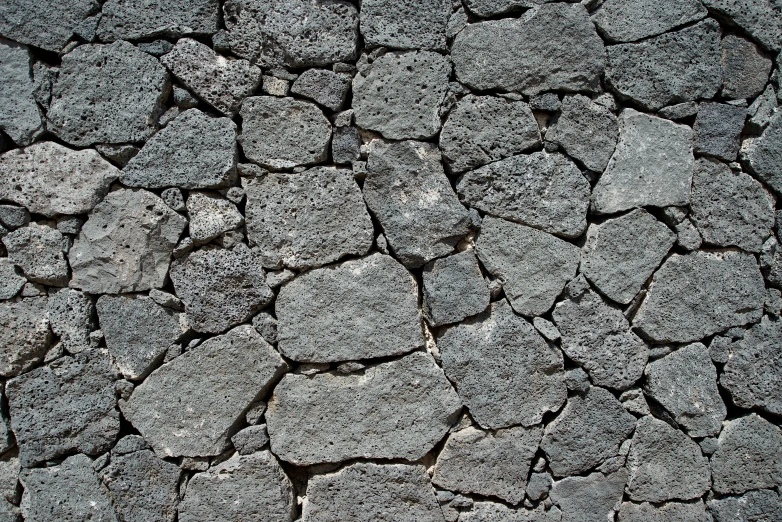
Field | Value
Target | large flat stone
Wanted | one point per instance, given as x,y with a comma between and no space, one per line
745,68
24,334
43,23
718,128
670,511
141,19
631,20
754,505
20,117
405,24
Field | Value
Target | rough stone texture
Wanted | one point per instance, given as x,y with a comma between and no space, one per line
453,288
405,24
760,18
191,406
211,215
754,505
326,88
745,68
504,371
669,512
140,19
43,23
717,130
484,511
764,154
553,48
592,498
331,417
38,251
250,439
632,20
20,117
72,317
11,280
24,334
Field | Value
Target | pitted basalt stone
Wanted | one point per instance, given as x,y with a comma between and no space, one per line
761,19
453,288
11,279
141,19
24,334
405,24
632,20
38,251
745,68
592,498
763,155
753,505
72,317
718,129
670,511
211,215
485,511
42,23
324,87
20,117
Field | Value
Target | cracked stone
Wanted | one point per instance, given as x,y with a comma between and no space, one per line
761,19
405,24
72,316
754,505
763,155
592,498
718,129
632,20
324,87
11,280
44,24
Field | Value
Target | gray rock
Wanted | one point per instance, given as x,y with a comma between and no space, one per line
9,484
24,335
542,190
192,405
324,87
483,129
407,191
244,487
485,511
140,19
643,71
671,511
406,24
548,102
730,208
664,464
220,288
393,410
107,94
593,498
126,244
345,145
631,20
211,215
368,491
546,328
634,401
20,117
292,33
183,98
119,155
684,382
764,154
50,179
42,23
754,505
453,288
695,295
577,380
400,94
539,485
275,86
220,82
679,111
281,133
749,456
745,68
718,129
621,253
44,78
505,372
166,300
69,225
194,151
174,199
11,279
588,431
13,217
72,317
38,251
761,19
488,8
250,439
652,165
687,236
585,130
554,47
760,112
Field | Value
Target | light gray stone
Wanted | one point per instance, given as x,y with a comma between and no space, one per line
593,498
20,117
275,86
324,87
631,20
405,24
211,215
539,485
453,288
763,155
10,489
718,129
38,251
250,439
140,19
24,335
72,317
668,512
687,236
42,23
345,145
760,113
745,68
754,505
546,328
761,19
11,279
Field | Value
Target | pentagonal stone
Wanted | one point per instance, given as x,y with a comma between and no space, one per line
50,179
483,129
38,251
220,288
764,154
586,131
454,288
588,431
366,308
754,505
533,266
193,151
292,33
665,464
211,215
554,47
399,95
66,406
409,194
505,372
685,384
220,82
621,253
140,19
107,94
280,133
324,87
20,117
652,165
126,244
698,294
191,406
394,410
718,128
670,511
11,280
759,18
542,190
642,71
745,68
24,334
593,498
730,208
72,317
405,24
631,20
484,511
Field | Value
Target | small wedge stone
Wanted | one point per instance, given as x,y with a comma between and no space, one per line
210,216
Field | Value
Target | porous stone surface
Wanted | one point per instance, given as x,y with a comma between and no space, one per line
632,20
38,251
72,318
211,215
11,280
745,68
405,24
673,511
20,117
717,129
139,19
753,505
764,155
453,288
593,497
25,334
324,87
760,18
44,24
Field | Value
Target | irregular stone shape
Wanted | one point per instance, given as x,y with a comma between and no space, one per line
409,194
324,87
621,253
399,95
668,69
698,294
366,308
483,129
141,19
292,33
665,464
588,431
193,151
718,130
669,512
50,179
126,244
754,505
72,317
38,251
11,280
107,94
69,491
592,498
631,20
20,117
211,215
753,373
730,209
684,382
745,69
24,335
760,18
554,47
764,154
533,266
66,406
586,131
280,133
405,24
394,410
652,165
192,405
504,371
488,463
453,289
483,511
542,190
220,288
220,82
250,439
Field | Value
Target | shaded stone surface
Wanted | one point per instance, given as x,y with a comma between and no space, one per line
632,20
760,18
718,129
72,317
484,511
324,87
764,154
592,498
20,117
405,24
670,511
453,289
250,439
38,251
11,279
754,505
745,68
24,334
140,19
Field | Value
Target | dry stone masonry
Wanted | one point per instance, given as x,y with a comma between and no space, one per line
391,260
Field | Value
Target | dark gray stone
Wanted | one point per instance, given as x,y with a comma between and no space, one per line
20,117
539,485
345,145
24,334
763,155
668,512
718,129
745,68
250,439
38,251
761,19
210,216
679,111
453,288
593,498
11,279
485,511
754,505
324,87
43,23
141,19
13,217
405,24
631,20
157,48
688,236
183,98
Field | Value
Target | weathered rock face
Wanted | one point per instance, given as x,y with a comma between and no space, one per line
453,289
753,504
678,511
72,318
38,251
405,24
326,88
211,215
764,154
745,68
760,18
11,279
593,497
138,19
24,333
20,117
42,23
483,511
632,20
718,129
